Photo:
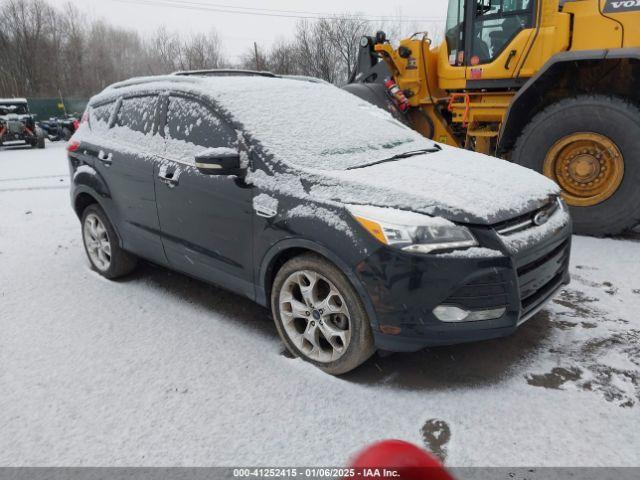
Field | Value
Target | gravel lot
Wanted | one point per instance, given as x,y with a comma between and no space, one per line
159,369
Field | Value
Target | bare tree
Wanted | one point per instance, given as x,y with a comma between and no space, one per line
46,50
283,58
344,33
202,52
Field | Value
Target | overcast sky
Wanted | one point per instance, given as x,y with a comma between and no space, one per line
238,31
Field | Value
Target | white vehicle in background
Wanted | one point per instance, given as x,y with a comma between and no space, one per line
18,125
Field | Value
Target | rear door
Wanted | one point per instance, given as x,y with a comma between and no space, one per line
126,161
205,219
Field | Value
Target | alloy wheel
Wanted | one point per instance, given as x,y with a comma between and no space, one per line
96,239
315,316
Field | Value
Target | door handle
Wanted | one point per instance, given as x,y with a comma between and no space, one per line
169,178
106,158
512,54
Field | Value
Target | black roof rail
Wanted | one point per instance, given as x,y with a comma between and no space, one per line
225,72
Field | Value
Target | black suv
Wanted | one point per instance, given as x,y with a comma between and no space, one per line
357,232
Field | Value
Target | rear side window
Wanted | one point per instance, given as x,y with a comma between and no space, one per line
194,125
99,116
138,113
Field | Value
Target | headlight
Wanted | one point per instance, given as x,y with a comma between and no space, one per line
411,231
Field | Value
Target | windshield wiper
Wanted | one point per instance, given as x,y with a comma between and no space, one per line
434,149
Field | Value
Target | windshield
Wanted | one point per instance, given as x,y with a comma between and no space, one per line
17,108
315,125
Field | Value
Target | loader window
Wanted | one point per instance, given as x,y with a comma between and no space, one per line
496,24
455,31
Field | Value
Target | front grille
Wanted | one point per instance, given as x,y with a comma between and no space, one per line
15,126
481,293
524,222
535,299
540,277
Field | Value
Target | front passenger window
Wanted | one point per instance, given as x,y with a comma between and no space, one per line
193,127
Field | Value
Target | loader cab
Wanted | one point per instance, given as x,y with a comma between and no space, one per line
487,37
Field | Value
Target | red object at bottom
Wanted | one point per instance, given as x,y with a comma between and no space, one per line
399,460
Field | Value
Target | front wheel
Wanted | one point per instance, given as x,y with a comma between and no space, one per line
40,138
320,316
590,146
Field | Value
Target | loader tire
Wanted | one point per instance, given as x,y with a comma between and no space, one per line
589,145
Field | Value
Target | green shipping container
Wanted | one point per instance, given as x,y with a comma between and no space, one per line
53,107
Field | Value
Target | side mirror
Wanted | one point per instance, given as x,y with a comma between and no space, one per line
219,161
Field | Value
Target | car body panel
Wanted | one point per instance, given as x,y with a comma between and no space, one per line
206,226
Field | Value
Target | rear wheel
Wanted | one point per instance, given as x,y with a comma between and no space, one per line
101,245
319,315
589,145
38,142
41,137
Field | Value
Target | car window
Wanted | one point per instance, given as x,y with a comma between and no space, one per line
192,127
138,113
99,116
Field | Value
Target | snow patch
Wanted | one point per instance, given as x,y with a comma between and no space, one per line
323,214
522,240
474,252
265,202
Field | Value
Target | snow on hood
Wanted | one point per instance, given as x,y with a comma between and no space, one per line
323,132
456,184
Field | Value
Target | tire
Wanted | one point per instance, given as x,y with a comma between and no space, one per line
119,263
610,121
360,345
66,134
40,142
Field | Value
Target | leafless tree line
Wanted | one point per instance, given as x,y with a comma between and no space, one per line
47,51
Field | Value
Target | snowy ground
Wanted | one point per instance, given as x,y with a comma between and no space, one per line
159,369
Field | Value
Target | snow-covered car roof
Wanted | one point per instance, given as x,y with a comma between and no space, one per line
307,123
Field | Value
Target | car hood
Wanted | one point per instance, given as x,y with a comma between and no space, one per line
459,185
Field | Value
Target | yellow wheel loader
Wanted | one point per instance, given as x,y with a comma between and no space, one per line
548,84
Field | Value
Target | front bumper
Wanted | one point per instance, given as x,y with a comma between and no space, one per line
405,288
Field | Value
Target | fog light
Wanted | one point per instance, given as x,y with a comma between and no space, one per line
447,313
451,313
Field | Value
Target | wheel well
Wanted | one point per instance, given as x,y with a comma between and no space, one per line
276,263
83,201
565,79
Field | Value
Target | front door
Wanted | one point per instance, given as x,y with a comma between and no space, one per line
205,219
498,37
